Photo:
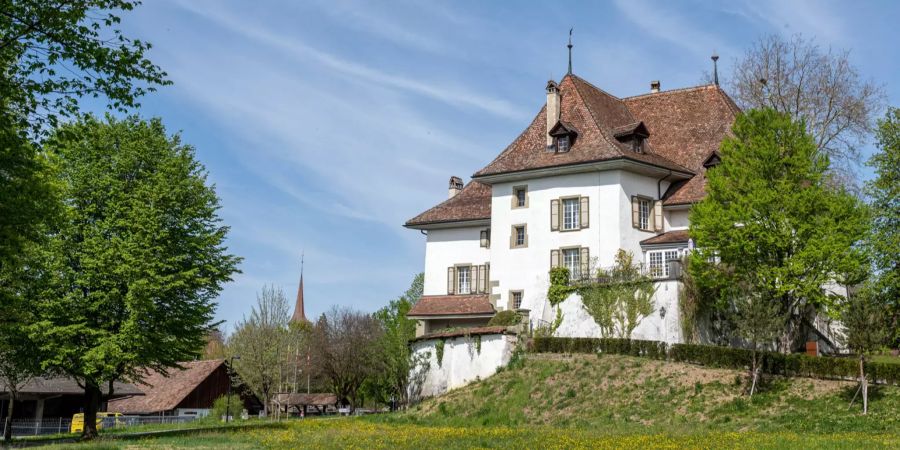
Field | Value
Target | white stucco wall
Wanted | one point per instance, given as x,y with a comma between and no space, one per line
634,184
462,362
578,323
447,247
677,219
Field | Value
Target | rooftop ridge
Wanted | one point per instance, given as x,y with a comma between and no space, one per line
674,91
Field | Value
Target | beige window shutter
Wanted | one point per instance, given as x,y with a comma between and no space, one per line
658,215
482,279
635,212
554,258
476,282
451,280
585,262
526,237
585,213
554,215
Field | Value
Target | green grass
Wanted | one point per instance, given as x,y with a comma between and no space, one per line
586,401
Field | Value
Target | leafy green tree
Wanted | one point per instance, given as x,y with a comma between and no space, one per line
884,242
773,223
866,331
390,382
622,298
759,321
261,342
138,259
55,52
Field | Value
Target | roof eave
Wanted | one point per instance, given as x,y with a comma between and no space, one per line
443,224
619,163
450,316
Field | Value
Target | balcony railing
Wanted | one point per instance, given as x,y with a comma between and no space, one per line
672,270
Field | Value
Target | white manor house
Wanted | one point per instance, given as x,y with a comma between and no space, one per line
593,173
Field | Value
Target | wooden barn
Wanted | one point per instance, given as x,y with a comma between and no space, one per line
187,392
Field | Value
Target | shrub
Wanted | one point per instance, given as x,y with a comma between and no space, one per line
220,405
793,365
505,318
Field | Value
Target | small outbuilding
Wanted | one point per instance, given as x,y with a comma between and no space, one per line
190,391
56,397
320,403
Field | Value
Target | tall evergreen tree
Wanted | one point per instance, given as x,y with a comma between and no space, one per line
773,223
139,258
884,191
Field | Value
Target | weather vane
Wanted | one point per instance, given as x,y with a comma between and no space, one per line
570,50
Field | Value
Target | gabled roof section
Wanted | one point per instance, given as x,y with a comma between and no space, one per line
472,203
164,393
562,128
636,128
595,114
452,305
686,126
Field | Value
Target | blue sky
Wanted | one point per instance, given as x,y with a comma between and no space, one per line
326,124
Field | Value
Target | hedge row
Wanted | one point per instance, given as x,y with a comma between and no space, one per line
797,365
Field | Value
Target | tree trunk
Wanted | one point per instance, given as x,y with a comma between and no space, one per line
864,383
7,428
92,397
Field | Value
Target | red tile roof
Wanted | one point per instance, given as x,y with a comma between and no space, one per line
164,393
686,126
463,332
669,237
472,203
596,115
292,399
452,305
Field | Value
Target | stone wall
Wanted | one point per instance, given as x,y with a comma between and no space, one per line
462,363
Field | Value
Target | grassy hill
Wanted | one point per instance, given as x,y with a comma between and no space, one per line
620,394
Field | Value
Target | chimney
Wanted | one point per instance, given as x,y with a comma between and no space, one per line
552,109
654,86
456,185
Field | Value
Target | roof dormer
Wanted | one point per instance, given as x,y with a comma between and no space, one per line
562,137
713,160
632,134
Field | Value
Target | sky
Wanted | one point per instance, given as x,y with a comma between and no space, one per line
325,125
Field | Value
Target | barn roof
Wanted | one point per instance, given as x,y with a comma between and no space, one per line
164,393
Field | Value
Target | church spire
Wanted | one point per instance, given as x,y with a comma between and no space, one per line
299,313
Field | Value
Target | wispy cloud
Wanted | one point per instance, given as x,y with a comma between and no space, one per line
456,96
663,22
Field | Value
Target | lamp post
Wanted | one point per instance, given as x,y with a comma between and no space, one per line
228,396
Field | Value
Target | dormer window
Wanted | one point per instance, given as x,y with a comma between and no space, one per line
562,144
712,160
632,135
637,144
563,137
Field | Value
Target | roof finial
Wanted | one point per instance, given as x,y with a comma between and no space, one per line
715,59
570,50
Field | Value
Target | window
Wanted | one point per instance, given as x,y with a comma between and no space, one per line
658,260
562,144
571,213
572,261
519,237
637,144
464,280
643,221
520,197
515,300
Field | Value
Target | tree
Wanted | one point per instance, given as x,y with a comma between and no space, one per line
55,52
19,362
771,222
759,321
392,379
621,300
261,342
820,88
864,319
138,259
345,345
884,240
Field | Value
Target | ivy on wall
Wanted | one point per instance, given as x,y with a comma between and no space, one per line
559,285
439,351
